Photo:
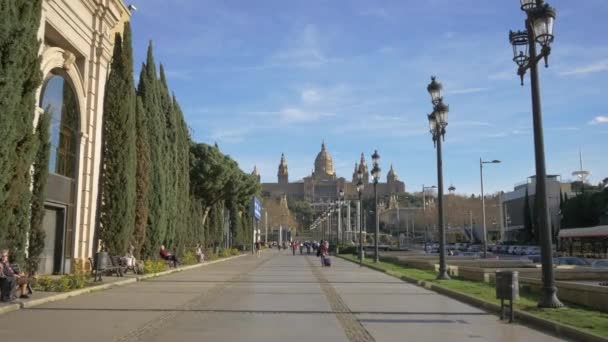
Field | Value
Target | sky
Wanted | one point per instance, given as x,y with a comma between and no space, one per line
267,77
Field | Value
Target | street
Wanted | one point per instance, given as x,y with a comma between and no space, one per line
277,297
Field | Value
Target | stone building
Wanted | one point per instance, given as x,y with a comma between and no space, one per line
77,41
323,185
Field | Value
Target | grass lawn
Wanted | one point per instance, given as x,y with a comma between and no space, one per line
579,317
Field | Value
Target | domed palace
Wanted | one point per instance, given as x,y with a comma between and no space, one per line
323,185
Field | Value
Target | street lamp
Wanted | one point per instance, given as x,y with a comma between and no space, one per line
376,176
483,205
360,192
438,120
540,18
340,204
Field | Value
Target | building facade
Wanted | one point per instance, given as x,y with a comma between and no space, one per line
513,204
77,41
323,185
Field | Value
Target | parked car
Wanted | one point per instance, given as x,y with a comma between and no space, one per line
602,263
572,261
534,258
533,250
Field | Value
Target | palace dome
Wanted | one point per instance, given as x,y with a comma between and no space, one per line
324,165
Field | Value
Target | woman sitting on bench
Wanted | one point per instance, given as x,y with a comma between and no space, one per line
165,255
10,278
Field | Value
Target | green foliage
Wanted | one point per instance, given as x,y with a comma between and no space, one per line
117,214
189,258
303,212
41,172
585,210
64,283
20,78
224,253
234,252
142,176
149,91
154,266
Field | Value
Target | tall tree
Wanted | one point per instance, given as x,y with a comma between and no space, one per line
117,214
20,78
41,173
528,221
148,90
142,178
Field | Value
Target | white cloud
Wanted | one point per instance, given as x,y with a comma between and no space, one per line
593,68
295,115
304,50
466,91
600,119
310,95
230,135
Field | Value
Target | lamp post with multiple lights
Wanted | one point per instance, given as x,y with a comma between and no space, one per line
438,120
540,18
483,205
376,176
360,193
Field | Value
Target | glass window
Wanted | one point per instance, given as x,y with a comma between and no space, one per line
59,100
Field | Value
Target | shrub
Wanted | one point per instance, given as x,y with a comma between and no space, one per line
234,251
211,256
63,283
224,253
189,258
154,266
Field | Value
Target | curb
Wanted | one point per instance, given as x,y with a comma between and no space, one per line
553,327
60,296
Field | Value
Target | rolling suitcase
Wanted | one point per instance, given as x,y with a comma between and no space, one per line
327,262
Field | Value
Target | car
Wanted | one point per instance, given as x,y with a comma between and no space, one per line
533,250
602,263
572,261
511,249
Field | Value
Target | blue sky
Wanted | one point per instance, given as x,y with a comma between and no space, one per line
264,77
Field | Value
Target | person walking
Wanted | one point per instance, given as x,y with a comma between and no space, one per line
294,247
323,252
258,247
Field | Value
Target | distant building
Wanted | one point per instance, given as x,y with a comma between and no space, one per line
323,185
513,204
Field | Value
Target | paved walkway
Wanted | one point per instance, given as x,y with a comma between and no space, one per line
278,297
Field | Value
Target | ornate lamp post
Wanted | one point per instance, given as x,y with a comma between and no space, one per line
483,205
376,176
360,193
540,18
438,120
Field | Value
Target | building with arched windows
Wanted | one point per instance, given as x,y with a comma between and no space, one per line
77,41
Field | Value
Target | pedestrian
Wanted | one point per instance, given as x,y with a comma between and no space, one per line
165,255
258,247
323,251
307,247
199,253
10,278
294,247
301,248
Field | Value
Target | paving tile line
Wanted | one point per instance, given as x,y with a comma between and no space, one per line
354,330
61,296
143,332
548,326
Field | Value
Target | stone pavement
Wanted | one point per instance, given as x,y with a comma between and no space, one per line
278,297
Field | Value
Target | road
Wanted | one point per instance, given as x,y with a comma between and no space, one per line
277,297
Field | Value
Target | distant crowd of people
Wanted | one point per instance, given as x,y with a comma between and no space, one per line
320,248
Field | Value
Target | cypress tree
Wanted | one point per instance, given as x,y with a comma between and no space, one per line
117,214
149,91
41,173
142,178
20,78
170,158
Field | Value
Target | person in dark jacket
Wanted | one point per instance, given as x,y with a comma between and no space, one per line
165,255
10,278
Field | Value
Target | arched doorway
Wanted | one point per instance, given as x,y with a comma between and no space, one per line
59,100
